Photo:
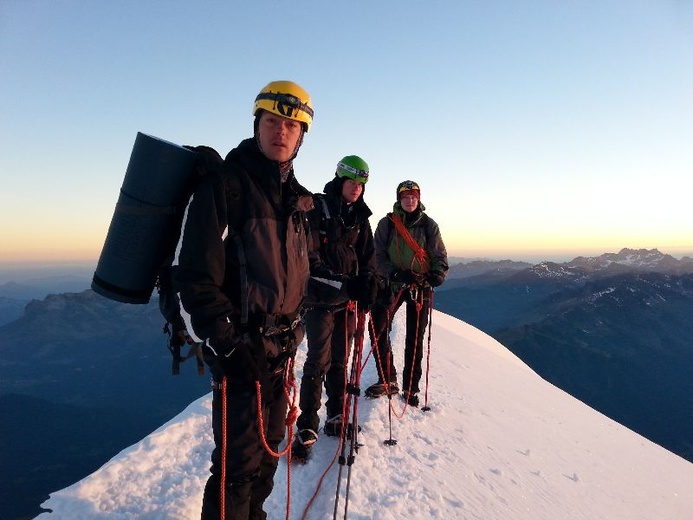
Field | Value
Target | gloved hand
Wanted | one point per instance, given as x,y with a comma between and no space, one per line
371,294
230,347
407,277
242,356
435,278
363,288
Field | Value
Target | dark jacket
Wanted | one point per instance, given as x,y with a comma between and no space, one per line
394,254
244,248
341,243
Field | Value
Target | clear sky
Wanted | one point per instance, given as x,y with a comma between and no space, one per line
534,127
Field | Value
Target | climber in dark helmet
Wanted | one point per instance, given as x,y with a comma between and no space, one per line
241,273
412,260
342,273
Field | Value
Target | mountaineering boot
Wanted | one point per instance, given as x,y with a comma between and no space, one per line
333,427
411,398
303,443
380,389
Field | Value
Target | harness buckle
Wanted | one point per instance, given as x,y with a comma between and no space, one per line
275,324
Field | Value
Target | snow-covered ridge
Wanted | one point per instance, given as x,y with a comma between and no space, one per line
498,443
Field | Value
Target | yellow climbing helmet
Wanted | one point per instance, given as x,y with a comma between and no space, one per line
286,99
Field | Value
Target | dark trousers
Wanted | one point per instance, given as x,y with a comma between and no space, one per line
250,468
329,333
382,314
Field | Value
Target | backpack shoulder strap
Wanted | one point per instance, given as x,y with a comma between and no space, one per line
323,205
325,216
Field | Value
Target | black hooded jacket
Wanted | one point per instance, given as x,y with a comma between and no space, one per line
244,248
341,239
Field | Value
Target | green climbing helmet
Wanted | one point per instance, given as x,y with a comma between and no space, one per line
353,167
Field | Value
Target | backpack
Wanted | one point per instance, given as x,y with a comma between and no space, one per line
209,161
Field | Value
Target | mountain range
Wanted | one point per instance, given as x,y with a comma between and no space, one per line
81,377
615,331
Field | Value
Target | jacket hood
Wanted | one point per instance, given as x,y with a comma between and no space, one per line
333,193
267,172
334,188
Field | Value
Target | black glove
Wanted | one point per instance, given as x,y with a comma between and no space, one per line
435,278
407,277
242,356
371,294
231,348
363,288
383,292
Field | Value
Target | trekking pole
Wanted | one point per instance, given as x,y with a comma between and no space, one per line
355,390
390,441
417,298
352,389
342,444
342,456
425,407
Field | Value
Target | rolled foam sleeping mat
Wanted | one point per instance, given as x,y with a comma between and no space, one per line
146,222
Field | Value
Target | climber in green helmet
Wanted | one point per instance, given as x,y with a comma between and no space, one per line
342,270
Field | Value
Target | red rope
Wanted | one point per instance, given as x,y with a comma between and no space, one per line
374,348
374,343
411,373
419,306
291,416
322,478
352,306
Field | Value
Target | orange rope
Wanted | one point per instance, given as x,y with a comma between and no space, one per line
322,478
420,254
374,348
291,416
419,306
351,306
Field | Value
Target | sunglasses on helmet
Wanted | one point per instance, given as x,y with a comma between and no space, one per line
352,170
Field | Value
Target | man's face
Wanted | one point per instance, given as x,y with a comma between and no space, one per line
351,190
409,202
278,136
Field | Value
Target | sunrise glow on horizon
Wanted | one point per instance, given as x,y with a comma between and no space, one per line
535,129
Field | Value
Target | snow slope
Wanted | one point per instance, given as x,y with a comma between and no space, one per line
498,443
